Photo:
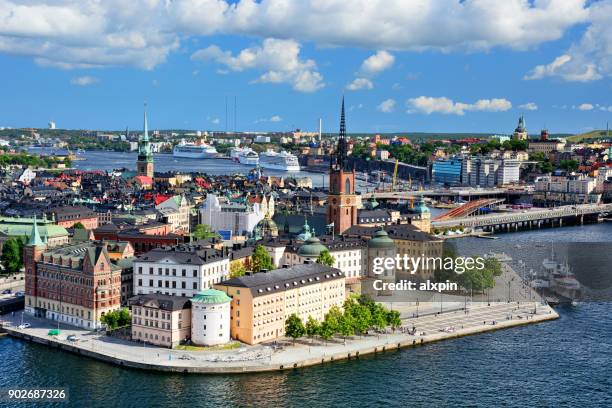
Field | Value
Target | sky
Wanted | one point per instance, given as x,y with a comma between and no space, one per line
402,66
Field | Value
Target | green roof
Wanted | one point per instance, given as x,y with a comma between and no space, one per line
211,296
22,227
312,247
381,240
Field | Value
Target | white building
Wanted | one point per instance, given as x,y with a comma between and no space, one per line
183,270
508,172
210,318
240,219
176,211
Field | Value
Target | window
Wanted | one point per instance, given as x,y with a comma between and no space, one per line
347,186
195,285
183,285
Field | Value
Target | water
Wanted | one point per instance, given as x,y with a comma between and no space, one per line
563,363
100,160
559,363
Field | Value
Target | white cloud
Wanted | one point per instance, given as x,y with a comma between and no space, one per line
429,105
215,121
274,118
387,106
142,33
590,58
280,59
360,83
585,107
532,106
377,63
84,80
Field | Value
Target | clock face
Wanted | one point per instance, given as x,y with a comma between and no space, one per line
348,201
334,201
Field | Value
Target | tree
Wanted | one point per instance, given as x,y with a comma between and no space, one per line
237,269
261,259
569,165
325,258
332,318
326,331
116,318
393,319
294,327
378,317
203,231
312,327
346,325
78,225
12,255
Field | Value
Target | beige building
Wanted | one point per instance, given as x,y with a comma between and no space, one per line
261,303
161,320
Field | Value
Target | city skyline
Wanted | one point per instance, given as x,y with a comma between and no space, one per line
287,66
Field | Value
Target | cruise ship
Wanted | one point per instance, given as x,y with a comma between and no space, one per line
194,151
244,155
279,161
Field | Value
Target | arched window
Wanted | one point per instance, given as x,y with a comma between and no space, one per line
347,186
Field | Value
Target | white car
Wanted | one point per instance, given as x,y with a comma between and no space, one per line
24,325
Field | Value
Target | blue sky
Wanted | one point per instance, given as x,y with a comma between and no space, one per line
422,66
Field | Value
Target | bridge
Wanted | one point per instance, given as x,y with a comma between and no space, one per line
470,208
533,218
466,193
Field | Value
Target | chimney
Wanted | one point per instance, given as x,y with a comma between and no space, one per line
308,261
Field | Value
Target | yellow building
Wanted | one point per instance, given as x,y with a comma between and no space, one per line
262,302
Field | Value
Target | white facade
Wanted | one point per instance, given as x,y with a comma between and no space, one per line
210,323
177,210
509,172
240,219
169,277
351,261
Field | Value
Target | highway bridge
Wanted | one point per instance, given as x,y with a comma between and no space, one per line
533,218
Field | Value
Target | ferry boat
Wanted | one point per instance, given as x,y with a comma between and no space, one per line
194,151
279,161
235,153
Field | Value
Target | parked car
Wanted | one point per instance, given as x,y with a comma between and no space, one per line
72,337
24,325
6,292
19,294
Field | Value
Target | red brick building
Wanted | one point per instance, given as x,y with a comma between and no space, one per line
67,216
75,283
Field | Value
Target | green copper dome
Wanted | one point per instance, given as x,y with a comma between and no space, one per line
421,207
381,240
312,248
211,296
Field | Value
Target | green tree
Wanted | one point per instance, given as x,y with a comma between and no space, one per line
569,165
325,258
261,259
312,327
203,231
332,318
237,269
378,317
116,318
546,166
78,225
12,255
393,319
346,325
294,327
326,331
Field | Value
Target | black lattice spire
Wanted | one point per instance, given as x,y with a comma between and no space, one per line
339,160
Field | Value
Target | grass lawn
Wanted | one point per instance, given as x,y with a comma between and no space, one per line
228,346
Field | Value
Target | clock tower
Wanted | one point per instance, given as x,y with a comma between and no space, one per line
341,201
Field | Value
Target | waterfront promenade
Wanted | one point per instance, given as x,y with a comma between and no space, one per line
284,355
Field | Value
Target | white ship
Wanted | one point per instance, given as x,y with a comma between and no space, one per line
249,157
279,161
244,155
194,151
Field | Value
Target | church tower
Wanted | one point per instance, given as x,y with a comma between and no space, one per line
341,201
145,156
32,253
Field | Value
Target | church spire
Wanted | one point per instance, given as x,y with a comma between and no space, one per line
35,239
342,121
145,136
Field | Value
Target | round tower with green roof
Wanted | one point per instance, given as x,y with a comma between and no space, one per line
210,318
